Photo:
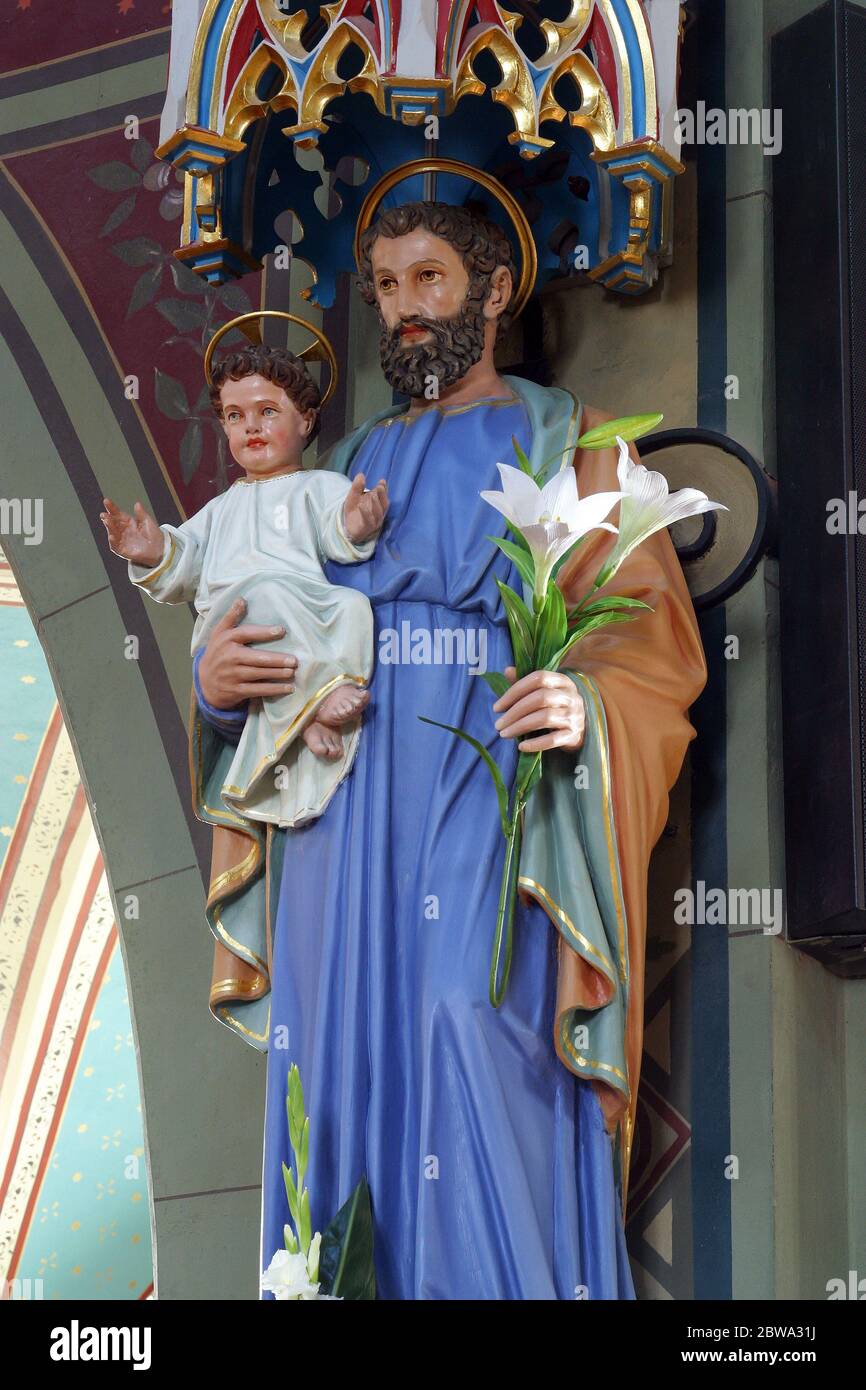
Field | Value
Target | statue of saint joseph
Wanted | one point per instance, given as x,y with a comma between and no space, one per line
495,1142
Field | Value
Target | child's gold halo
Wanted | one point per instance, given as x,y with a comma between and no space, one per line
441,165
320,350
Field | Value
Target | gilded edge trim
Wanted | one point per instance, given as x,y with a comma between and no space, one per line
405,419
219,72
229,877
571,434
230,988
564,921
218,815
229,1019
269,836
358,549
284,738
239,949
163,565
591,1061
650,112
614,29
609,828
627,1120
240,875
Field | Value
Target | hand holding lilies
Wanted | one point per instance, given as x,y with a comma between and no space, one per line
548,523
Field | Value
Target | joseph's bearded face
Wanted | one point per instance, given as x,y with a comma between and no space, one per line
431,323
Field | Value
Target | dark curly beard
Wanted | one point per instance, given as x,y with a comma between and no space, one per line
458,343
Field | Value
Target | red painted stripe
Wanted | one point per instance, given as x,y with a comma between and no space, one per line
599,37
84,1023
28,805
668,1157
40,919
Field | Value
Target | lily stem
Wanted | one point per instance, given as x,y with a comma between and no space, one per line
505,911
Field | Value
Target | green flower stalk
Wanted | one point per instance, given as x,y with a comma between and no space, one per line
548,523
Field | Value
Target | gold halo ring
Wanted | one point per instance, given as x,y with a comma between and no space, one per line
320,350
437,165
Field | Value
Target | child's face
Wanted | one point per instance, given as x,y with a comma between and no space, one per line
265,430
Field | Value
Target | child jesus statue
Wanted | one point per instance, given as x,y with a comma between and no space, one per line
265,539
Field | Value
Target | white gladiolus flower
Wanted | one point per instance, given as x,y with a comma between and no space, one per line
648,506
290,1276
550,518
287,1277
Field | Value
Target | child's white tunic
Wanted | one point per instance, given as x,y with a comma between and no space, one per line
265,541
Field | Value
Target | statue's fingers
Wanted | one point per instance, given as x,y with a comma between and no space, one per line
535,722
251,632
536,702
267,660
232,617
535,681
259,690
558,739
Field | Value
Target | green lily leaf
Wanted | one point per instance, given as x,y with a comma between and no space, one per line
528,776
500,960
346,1268
497,681
628,427
551,628
600,620
605,605
521,458
521,625
501,789
522,559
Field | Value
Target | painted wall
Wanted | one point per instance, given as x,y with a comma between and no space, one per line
74,1219
786,1104
752,1050
89,298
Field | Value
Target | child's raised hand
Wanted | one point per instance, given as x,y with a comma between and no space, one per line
364,512
136,538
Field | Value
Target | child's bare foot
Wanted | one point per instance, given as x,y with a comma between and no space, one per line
325,742
342,706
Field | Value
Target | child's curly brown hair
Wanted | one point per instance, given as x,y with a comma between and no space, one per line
276,365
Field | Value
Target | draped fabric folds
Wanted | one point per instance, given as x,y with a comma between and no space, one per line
587,840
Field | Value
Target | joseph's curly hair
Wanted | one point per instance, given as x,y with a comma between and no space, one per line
482,245
275,364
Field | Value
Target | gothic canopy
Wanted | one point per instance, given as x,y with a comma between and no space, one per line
281,116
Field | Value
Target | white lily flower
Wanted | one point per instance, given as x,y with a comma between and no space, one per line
648,506
550,518
288,1275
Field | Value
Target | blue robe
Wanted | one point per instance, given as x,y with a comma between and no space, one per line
489,1166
